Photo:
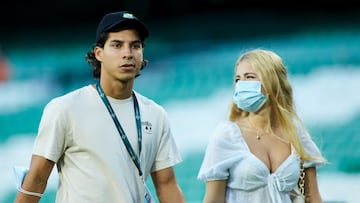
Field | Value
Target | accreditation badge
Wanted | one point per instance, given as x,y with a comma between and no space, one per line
147,194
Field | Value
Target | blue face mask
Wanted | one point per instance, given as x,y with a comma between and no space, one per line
248,96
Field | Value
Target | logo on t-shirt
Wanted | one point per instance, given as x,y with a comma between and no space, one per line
147,127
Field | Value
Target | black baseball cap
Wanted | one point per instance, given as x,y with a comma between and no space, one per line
124,18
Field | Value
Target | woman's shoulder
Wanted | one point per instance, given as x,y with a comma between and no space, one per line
227,129
226,125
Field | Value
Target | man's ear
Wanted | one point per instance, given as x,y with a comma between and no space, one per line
98,53
144,63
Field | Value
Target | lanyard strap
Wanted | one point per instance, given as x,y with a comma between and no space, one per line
119,128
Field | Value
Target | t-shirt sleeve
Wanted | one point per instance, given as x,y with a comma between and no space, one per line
311,148
168,153
220,153
50,139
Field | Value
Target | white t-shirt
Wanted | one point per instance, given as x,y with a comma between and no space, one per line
77,132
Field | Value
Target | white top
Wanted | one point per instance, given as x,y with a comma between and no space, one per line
228,157
77,132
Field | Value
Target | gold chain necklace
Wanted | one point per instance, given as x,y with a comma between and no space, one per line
258,135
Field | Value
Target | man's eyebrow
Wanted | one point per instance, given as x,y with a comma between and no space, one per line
116,40
120,41
136,41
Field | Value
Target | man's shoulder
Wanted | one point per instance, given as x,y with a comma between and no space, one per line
146,101
74,95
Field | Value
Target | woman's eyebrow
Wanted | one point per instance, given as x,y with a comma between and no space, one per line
245,74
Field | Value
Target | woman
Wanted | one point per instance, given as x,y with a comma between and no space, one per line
255,156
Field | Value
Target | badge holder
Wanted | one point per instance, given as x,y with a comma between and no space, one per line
147,194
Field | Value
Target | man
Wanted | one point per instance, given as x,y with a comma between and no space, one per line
106,138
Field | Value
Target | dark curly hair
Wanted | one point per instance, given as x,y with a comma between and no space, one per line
94,63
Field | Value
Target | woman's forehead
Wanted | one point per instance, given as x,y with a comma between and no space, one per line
244,67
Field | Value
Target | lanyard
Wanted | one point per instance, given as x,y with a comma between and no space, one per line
119,128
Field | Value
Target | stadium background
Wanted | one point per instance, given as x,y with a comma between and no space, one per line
192,49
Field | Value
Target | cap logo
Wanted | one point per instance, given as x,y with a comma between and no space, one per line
128,15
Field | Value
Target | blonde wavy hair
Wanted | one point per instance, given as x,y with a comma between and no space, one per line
273,75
